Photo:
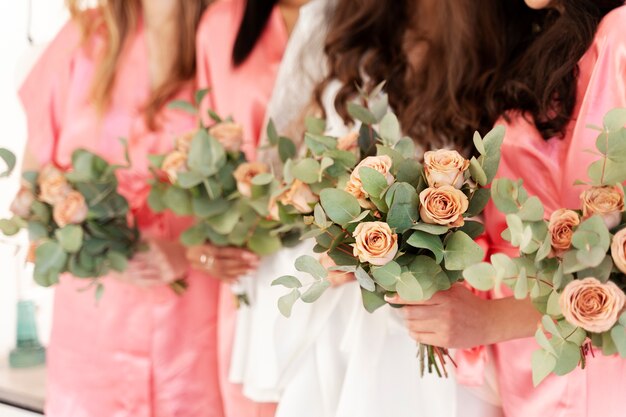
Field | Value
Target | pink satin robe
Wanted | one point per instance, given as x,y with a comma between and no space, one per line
242,93
549,169
139,352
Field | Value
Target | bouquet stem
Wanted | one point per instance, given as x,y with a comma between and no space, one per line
434,358
179,287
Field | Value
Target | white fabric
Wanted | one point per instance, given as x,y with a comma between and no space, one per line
331,358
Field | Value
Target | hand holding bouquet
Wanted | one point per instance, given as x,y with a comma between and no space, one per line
399,226
572,264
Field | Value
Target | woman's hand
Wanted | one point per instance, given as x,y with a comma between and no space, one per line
336,278
225,263
457,318
163,263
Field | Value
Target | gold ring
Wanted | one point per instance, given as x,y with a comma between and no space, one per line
207,261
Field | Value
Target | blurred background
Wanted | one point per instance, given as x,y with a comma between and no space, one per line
26,26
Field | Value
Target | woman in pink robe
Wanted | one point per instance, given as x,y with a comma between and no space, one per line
139,351
549,168
240,70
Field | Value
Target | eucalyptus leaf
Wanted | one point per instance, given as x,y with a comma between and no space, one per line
315,291
481,276
461,251
387,275
361,113
364,279
423,240
310,265
340,206
70,238
408,288
542,363
286,302
9,160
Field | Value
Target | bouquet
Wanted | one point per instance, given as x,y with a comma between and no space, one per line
573,264
231,199
76,220
399,226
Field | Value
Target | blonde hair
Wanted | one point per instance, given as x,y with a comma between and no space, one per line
118,20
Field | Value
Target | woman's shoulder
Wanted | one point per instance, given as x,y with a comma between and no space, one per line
613,26
219,14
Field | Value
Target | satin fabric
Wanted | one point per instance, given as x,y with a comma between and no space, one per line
138,352
242,93
549,169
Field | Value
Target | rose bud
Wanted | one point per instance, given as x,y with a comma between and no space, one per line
22,202
618,250
174,163
71,210
349,142
300,196
605,201
444,205
591,304
561,229
375,243
245,173
229,134
183,143
354,185
53,187
445,167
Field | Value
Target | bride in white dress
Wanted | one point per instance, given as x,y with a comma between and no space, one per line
333,358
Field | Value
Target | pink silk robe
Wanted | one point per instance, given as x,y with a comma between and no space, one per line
549,169
242,93
139,352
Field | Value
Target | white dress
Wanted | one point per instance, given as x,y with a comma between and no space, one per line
333,358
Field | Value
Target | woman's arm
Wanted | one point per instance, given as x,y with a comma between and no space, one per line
457,318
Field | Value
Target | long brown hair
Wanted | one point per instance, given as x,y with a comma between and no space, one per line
437,93
118,20
541,81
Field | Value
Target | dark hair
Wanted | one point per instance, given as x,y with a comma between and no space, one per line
440,95
255,18
542,79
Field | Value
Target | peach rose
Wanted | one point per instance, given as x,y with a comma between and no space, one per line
445,167
22,202
183,143
300,196
561,229
349,142
53,187
354,185
618,250
591,304
375,243
244,174
605,201
273,209
174,163
229,134
444,205
71,210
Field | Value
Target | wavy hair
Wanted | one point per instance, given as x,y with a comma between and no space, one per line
118,20
437,77
542,78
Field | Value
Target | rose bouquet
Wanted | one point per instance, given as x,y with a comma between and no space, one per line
399,226
572,265
207,177
76,220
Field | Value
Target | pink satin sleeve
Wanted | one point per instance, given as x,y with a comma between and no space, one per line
43,93
471,363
